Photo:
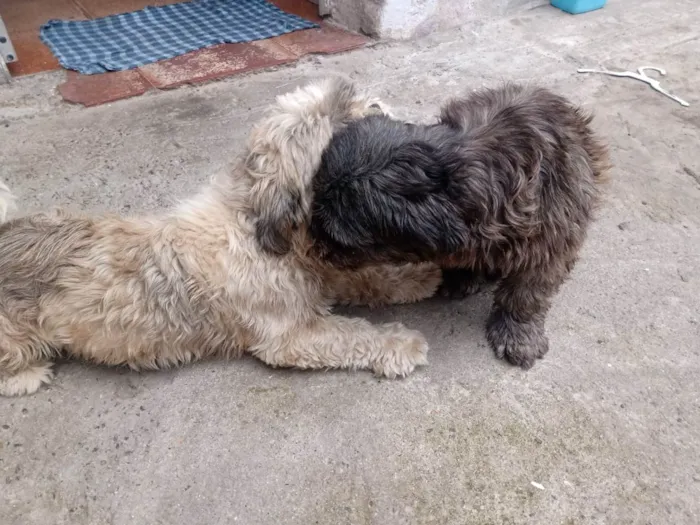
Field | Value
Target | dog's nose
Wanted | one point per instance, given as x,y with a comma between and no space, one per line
375,106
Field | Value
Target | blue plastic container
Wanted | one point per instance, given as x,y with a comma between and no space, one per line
576,7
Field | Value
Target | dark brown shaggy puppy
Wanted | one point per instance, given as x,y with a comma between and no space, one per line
502,188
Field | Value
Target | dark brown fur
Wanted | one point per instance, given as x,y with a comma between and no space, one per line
502,188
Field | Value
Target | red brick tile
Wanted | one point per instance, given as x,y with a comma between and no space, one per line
30,15
32,55
326,40
93,90
100,8
24,19
302,8
215,62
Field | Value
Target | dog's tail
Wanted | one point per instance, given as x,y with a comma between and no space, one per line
7,201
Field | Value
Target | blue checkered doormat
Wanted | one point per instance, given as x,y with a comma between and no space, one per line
120,42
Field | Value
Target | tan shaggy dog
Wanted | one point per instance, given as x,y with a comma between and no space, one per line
155,291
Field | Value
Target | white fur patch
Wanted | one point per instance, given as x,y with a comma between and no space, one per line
27,381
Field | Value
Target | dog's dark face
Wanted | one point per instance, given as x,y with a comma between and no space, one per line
383,193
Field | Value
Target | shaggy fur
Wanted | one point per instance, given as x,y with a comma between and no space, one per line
156,291
501,189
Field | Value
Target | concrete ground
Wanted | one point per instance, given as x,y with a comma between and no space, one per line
608,423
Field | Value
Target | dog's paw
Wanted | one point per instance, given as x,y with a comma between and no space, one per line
26,381
520,344
403,350
458,284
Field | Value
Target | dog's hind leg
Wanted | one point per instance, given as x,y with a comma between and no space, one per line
24,358
515,328
333,341
382,284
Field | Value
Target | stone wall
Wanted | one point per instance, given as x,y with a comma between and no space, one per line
400,19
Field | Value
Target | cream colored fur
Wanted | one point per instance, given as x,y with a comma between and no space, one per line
156,291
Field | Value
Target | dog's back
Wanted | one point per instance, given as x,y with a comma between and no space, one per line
29,248
33,250
514,110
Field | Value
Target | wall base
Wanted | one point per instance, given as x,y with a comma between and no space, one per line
402,19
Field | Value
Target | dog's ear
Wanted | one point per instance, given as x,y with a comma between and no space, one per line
276,195
416,169
413,200
285,150
280,215
404,205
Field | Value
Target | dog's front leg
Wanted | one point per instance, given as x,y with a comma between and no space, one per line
334,341
515,328
382,284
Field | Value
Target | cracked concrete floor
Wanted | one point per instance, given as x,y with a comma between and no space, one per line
608,423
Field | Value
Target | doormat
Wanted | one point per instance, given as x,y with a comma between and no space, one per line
129,40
